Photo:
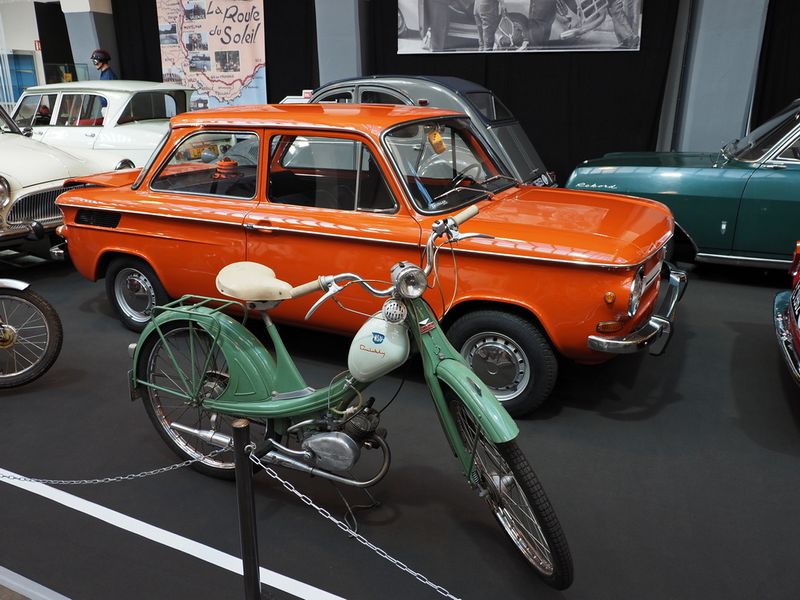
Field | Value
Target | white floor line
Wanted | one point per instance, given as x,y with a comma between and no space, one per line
25,587
166,538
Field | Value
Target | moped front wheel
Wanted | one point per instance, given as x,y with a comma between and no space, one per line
517,500
30,336
182,367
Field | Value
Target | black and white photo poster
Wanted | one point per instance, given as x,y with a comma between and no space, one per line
425,26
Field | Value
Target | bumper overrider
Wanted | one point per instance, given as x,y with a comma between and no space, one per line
781,316
655,333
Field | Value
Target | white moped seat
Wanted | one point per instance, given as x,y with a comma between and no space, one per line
252,282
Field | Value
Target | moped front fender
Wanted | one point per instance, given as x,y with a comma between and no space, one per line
479,400
249,363
14,284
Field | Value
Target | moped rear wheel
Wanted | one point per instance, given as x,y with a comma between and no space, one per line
517,500
184,367
30,337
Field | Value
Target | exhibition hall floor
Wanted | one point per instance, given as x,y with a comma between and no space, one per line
673,476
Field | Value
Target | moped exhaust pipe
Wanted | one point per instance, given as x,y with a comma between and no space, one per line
277,458
215,438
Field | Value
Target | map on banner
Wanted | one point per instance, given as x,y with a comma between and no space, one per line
216,47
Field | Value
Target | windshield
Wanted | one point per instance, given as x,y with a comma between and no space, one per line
7,124
444,164
759,141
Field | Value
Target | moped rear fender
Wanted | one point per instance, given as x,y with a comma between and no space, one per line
14,284
249,364
479,400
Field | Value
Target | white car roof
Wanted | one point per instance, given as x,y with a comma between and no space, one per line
114,85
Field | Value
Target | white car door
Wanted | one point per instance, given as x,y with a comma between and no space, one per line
78,121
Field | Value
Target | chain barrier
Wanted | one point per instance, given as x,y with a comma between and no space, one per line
348,530
130,477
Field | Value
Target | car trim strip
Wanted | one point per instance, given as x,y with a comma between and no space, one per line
727,259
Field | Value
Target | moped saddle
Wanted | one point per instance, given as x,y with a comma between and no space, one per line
252,282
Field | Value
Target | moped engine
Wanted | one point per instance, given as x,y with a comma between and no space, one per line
340,450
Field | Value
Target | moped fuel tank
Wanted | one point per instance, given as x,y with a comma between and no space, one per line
378,348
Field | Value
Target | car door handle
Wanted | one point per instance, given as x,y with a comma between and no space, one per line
774,166
89,134
263,225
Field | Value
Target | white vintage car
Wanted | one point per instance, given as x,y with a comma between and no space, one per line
32,175
116,124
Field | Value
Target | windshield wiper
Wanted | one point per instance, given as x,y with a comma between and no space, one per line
494,177
462,188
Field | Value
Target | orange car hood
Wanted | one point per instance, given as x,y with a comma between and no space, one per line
581,227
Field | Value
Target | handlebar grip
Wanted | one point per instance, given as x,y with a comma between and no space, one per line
465,214
307,288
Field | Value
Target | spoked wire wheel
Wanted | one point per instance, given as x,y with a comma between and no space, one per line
30,336
517,500
184,367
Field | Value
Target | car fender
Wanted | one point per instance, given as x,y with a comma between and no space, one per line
14,284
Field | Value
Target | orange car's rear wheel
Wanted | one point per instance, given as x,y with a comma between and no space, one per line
134,290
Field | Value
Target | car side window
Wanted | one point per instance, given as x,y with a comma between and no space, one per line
81,110
35,110
792,151
338,97
146,106
376,97
327,172
219,163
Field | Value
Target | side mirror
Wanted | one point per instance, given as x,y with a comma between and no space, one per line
27,131
36,232
208,155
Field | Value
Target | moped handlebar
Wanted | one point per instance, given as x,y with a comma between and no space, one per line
307,288
465,215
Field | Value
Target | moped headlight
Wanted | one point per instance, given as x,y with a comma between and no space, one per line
409,280
637,287
5,192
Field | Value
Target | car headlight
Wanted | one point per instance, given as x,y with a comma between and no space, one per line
409,280
637,287
125,163
5,192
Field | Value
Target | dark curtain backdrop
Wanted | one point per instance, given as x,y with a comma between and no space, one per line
53,34
573,105
778,68
290,32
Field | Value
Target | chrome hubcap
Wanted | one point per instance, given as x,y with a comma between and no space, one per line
499,362
135,294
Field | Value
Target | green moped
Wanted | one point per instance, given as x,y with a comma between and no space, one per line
198,369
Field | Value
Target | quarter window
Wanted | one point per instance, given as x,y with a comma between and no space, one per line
376,97
327,172
212,164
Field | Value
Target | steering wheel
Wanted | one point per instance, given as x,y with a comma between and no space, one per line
462,174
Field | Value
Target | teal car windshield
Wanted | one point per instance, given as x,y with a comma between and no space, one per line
444,164
759,141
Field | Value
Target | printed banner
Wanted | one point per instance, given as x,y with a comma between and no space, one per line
517,25
216,47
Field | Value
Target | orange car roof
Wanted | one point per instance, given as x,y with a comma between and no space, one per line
360,117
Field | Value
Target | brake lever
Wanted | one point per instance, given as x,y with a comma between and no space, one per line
333,289
457,237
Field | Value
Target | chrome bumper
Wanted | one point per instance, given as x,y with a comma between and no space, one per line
654,334
59,251
781,316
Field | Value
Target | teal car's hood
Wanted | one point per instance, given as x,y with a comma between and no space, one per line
691,160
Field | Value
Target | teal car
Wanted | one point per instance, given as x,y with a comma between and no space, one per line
740,205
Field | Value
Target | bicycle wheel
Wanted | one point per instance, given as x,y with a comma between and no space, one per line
518,501
30,336
187,367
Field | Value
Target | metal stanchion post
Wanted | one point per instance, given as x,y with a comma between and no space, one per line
247,510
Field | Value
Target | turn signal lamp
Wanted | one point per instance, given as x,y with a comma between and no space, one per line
609,326
609,298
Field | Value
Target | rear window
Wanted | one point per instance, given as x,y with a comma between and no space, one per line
147,106
489,106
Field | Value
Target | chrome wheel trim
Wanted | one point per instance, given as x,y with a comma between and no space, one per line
26,335
497,477
500,363
136,304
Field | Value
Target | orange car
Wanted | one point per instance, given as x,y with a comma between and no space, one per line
317,189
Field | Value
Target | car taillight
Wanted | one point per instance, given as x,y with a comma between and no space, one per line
795,268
